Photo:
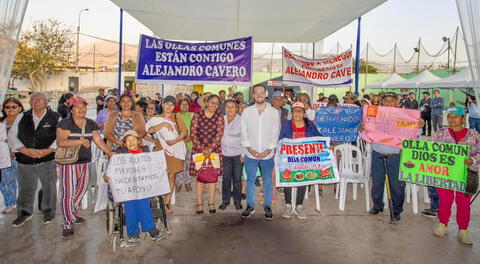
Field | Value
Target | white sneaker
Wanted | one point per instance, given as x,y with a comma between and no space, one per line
440,230
464,237
287,213
300,212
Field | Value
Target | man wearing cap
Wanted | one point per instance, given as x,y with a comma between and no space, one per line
277,103
260,129
392,155
426,113
32,139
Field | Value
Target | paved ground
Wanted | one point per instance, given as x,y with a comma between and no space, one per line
332,236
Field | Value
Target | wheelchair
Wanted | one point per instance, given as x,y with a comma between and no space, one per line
115,220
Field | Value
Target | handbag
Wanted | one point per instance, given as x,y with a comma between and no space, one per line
69,155
472,177
207,173
199,158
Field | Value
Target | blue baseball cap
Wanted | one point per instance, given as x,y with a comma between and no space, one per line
277,94
456,110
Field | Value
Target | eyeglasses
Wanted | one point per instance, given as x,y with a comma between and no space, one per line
11,107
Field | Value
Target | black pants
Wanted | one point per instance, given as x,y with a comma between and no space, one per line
428,122
300,194
232,174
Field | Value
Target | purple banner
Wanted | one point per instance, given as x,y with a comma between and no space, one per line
174,62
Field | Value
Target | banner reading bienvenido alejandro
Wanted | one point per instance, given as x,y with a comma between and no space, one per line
436,164
305,161
333,71
138,176
339,123
389,125
165,61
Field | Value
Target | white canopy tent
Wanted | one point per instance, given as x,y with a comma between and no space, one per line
381,85
301,21
462,79
414,82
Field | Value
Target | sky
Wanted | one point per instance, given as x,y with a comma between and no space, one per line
400,21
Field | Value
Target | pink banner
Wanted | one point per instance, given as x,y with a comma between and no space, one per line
389,125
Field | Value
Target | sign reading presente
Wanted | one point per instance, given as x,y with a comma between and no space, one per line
389,125
333,71
436,164
339,123
165,61
305,161
138,176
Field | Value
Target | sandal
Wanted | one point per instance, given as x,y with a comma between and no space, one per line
210,210
168,208
200,206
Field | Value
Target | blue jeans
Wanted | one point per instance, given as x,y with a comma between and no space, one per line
432,194
397,187
474,123
266,167
8,184
138,212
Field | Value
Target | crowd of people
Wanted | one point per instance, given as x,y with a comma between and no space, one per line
239,137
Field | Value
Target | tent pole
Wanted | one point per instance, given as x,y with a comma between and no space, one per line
313,88
357,57
120,54
455,52
394,57
418,57
366,67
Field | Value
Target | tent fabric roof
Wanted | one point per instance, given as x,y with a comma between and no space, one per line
462,79
414,82
381,85
300,21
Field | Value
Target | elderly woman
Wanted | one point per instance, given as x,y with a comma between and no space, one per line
309,112
110,106
11,108
184,176
233,155
120,122
456,133
298,127
206,132
171,132
77,130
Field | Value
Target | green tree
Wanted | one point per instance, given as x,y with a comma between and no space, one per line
363,65
42,51
129,66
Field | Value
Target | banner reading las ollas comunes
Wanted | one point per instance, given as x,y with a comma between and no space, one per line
175,62
305,161
334,71
436,164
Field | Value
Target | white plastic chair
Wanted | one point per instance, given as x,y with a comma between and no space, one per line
351,171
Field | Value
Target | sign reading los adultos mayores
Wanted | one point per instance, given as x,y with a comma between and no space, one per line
305,161
334,71
436,164
389,125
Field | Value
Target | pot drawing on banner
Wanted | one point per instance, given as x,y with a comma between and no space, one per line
333,71
389,125
305,161
435,164
138,176
175,62
339,123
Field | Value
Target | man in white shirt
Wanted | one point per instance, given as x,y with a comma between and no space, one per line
260,129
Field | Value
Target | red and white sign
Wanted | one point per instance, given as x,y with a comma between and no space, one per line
331,72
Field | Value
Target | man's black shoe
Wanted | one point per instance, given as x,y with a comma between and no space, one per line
21,219
268,212
374,211
257,182
238,205
67,232
248,212
396,217
223,206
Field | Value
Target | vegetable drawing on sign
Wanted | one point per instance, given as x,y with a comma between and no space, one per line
305,161
436,164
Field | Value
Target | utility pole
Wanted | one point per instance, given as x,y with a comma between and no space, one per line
78,36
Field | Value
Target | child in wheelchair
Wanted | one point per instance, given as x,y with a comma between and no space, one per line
137,211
